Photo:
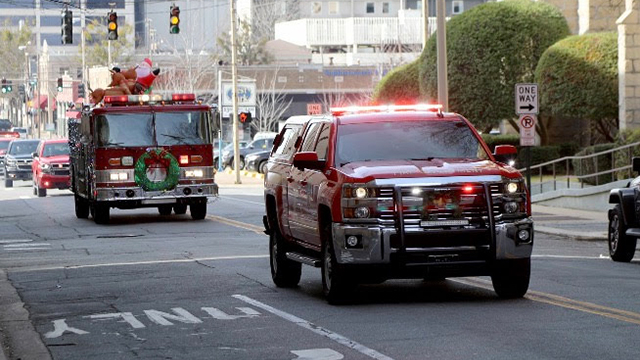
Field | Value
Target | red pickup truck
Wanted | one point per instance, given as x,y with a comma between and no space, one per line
374,193
50,166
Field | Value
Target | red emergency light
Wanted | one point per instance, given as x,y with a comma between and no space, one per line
385,108
183,97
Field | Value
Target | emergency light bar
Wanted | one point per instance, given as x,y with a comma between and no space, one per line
147,99
9,134
385,108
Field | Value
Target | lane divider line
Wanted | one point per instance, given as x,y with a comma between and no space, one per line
242,225
315,328
561,301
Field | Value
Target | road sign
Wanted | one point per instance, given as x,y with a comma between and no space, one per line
527,129
314,109
526,99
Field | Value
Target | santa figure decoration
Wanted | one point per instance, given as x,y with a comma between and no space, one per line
144,77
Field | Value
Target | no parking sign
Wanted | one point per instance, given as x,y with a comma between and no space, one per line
527,129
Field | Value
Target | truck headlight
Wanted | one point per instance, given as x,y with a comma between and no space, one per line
512,187
45,167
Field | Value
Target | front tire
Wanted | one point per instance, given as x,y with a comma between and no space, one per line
100,213
621,247
336,285
284,272
510,278
263,167
7,183
82,207
198,211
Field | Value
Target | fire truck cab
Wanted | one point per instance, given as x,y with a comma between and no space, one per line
142,151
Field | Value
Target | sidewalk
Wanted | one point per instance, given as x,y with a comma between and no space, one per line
572,223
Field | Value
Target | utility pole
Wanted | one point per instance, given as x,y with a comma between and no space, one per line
443,86
425,21
234,79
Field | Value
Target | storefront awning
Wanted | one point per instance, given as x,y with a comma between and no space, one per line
42,103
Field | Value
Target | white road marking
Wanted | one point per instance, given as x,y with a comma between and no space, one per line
25,197
316,329
126,316
221,315
23,245
11,241
29,249
60,327
9,189
160,317
542,256
222,197
317,354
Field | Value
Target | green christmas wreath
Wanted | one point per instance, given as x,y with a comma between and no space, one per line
157,157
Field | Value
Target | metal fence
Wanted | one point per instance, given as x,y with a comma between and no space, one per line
582,171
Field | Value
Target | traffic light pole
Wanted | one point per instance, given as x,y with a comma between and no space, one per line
234,79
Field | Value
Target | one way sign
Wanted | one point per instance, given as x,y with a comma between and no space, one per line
526,99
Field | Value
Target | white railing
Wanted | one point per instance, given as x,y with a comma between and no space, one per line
353,31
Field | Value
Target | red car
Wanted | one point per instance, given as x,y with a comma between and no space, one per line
5,139
50,166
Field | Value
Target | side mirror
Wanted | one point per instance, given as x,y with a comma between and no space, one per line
505,153
308,160
636,164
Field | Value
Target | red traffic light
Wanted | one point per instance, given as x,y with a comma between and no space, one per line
245,117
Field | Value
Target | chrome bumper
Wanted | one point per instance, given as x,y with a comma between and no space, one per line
157,197
375,243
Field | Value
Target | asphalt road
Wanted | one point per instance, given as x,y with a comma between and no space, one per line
167,287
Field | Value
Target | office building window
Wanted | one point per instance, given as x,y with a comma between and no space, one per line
385,8
371,8
457,7
316,8
334,8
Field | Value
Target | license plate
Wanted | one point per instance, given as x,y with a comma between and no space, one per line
158,201
439,223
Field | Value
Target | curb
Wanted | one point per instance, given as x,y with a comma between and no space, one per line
576,235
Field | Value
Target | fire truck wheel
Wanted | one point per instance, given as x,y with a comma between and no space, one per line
336,284
510,278
180,209
164,209
8,183
82,207
100,213
198,211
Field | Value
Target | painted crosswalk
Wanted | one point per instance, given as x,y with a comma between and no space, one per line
23,245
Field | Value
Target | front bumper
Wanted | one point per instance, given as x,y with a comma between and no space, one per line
48,181
14,173
137,197
380,245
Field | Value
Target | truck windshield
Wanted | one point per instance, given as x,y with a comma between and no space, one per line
137,129
407,140
185,127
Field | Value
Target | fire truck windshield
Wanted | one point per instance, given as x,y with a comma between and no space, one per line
152,129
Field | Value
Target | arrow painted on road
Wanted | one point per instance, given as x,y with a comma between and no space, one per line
528,107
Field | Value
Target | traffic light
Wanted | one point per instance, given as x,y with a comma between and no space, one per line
112,25
67,27
21,91
245,117
174,20
4,86
59,84
81,90
9,86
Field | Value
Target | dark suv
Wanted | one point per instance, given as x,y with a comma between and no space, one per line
5,124
395,192
624,219
17,163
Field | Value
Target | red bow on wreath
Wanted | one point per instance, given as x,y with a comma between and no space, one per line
157,158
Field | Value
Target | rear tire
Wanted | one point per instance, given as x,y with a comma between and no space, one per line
510,278
198,211
8,183
336,285
621,247
284,272
165,209
100,213
180,209
262,168
82,207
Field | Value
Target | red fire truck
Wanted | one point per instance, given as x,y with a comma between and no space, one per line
143,151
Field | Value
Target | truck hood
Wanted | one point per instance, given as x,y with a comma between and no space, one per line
368,170
57,159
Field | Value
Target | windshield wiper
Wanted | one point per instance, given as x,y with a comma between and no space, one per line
423,159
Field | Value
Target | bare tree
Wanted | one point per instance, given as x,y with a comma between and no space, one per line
266,13
338,98
251,46
97,52
272,103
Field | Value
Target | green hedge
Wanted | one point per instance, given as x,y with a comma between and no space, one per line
399,86
623,158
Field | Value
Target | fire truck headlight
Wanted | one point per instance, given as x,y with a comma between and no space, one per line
195,173
127,161
119,176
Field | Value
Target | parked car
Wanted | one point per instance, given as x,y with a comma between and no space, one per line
5,124
20,130
17,163
257,161
50,167
382,194
226,146
254,146
624,223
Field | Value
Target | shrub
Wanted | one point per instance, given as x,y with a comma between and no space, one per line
596,164
490,48
399,86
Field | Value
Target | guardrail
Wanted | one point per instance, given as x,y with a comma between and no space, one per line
568,178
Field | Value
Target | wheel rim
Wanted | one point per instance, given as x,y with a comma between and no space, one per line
614,233
274,255
327,269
